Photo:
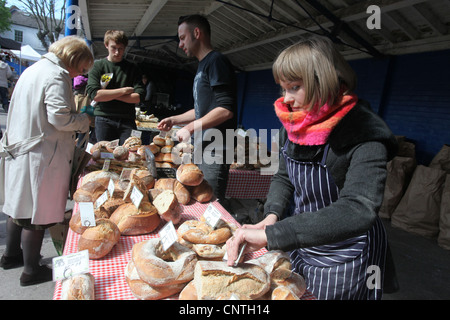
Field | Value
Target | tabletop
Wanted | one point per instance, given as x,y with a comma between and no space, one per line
109,271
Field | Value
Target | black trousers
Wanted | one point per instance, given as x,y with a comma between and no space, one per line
109,129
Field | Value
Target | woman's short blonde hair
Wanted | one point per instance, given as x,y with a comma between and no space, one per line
319,64
73,51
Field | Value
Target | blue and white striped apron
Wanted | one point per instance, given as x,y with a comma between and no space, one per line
346,270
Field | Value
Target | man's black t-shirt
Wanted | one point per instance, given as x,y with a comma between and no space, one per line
215,86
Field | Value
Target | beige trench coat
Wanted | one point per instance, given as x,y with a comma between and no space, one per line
40,140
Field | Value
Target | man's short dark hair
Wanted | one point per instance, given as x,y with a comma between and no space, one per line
196,21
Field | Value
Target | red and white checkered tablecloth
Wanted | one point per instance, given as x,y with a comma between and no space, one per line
247,184
109,271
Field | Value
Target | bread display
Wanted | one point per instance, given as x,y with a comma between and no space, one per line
100,239
213,279
160,268
132,221
78,287
189,174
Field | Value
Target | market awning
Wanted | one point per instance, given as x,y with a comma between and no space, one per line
9,44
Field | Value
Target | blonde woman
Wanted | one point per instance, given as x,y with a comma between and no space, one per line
323,202
37,151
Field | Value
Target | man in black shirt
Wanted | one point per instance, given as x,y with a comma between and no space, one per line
215,105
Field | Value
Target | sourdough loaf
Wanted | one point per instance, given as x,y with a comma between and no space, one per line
181,192
78,287
168,206
189,174
132,221
143,291
202,193
100,239
161,268
213,279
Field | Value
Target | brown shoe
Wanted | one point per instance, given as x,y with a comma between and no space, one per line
44,274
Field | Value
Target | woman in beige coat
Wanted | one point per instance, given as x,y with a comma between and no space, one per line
37,151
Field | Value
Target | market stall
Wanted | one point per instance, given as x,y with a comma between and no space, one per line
125,230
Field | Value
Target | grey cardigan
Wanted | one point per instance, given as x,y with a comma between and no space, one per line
360,146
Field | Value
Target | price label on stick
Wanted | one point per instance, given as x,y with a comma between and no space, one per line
212,215
70,265
168,235
136,197
87,215
102,199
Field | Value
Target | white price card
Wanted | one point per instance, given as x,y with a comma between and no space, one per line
136,197
136,133
70,265
212,215
168,235
102,199
111,187
87,215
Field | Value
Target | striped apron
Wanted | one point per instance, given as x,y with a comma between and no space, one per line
346,270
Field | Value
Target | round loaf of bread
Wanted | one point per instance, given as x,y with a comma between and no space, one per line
289,288
100,239
91,191
121,153
132,221
159,141
161,268
200,232
189,174
132,143
75,221
154,148
202,193
99,146
168,206
78,287
181,192
214,279
143,291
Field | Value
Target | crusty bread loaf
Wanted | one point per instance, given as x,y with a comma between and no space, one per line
188,292
189,174
100,145
213,279
139,184
99,174
132,221
161,268
75,221
78,287
146,177
168,206
288,288
164,157
154,148
91,191
273,260
121,153
159,141
181,192
210,251
132,143
166,149
112,204
100,239
202,193
143,291
202,233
